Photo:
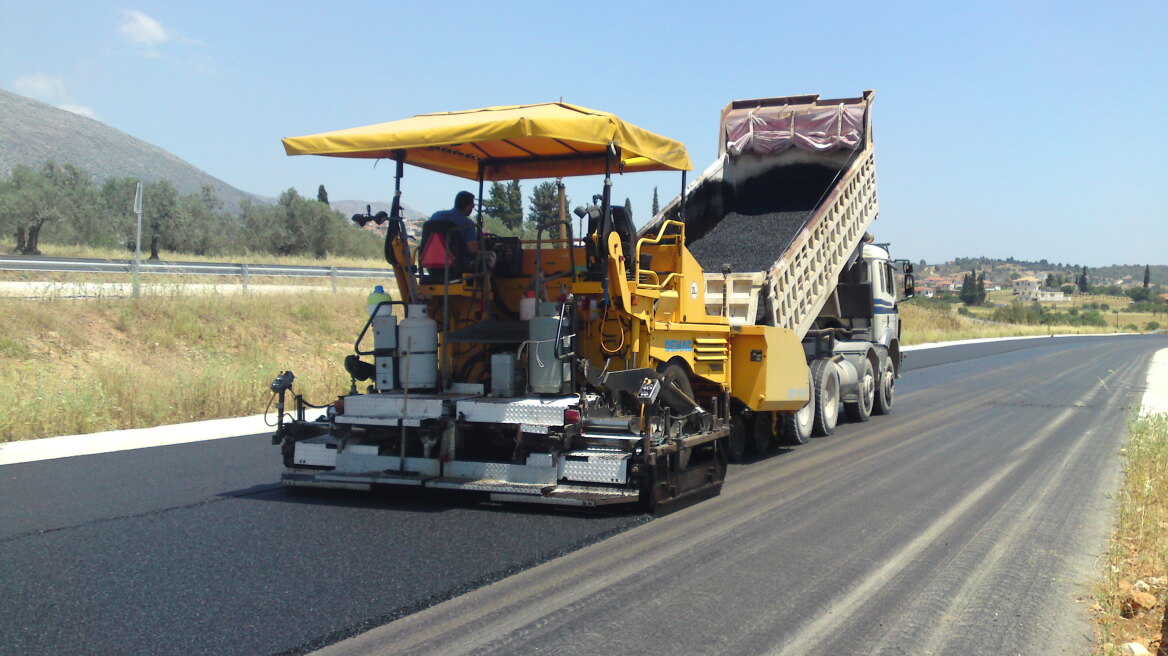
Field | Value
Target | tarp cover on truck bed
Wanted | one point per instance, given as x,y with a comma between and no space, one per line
766,130
791,195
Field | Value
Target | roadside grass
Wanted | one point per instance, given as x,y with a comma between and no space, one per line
63,284
78,366
923,325
60,250
1136,562
1127,321
70,366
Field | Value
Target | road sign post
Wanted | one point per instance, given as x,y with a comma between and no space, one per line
138,238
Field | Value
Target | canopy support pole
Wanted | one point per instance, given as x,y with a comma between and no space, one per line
395,209
483,280
606,203
681,211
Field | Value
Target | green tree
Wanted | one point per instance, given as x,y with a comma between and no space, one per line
544,205
1147,275
261,228
968,293
980,291
53,196
1140,294
1083,280
505,202
308,226
116,206
201,228
159,215
656,205
322,195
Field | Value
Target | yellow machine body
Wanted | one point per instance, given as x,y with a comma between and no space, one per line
656,314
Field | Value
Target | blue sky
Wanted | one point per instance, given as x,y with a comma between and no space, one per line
1025,129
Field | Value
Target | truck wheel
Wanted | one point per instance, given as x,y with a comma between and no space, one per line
825,382
736,441
885,390
861,410
797,425
760,433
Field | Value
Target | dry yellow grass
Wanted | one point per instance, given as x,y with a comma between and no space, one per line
57,250
69,281
75,366
70,366
1137,560
924,325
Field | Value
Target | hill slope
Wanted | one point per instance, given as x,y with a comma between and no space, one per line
32,133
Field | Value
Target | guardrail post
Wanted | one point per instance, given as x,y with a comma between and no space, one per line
333,276
243,269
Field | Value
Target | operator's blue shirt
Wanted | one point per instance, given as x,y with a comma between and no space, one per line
466,227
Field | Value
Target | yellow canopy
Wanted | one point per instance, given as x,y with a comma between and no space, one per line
515,142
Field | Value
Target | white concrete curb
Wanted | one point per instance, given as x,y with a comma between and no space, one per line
984,340
136,438
1156,394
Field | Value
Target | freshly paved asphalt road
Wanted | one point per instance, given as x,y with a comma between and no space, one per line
965,523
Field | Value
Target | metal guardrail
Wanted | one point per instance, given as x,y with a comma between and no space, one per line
243,270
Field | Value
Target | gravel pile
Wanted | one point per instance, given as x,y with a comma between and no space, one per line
748,242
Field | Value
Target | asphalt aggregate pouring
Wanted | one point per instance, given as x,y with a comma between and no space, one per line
747,242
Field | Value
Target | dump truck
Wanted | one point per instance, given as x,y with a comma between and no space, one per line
608,367
779,222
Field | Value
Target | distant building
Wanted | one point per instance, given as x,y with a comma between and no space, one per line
939,283
1026,285
925,292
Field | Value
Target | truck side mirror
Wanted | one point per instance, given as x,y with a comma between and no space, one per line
909,280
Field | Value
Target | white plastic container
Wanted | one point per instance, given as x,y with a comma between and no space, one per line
417,338
503,378
527,306
545,373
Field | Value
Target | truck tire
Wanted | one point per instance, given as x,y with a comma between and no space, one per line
861,410
736,441
825,382
797,425
885,388
760,433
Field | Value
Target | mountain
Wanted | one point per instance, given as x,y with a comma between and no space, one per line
32,133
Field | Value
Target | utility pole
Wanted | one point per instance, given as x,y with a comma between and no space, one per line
138,238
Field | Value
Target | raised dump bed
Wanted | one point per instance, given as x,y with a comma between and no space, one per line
789,198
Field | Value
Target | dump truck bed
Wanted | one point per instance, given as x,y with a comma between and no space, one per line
791,195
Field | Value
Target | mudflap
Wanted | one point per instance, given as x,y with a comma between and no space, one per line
673,490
